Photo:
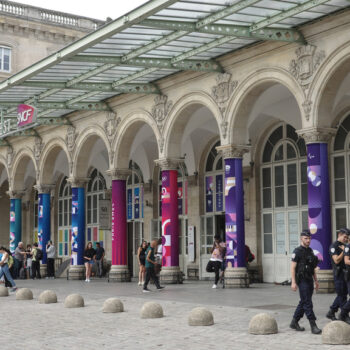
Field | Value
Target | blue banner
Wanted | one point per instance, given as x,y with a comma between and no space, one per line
44,222
15,223
137,203
78,225
209,194
129,205
219,193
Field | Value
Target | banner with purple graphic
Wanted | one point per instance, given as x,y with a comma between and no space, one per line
219,193
170,219
15,223
119,228
179,198
129,199
44,216
209,194
234,215
319,202
78,225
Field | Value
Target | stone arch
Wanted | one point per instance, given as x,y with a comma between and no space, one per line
127,130
242,102
325,85
179,115
84,146
49,156
3,164
20,165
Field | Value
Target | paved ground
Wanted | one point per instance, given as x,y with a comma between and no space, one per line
31,326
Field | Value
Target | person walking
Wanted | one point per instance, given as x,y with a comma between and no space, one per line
150,264
89,254
303,266
344,313
217,256
100,254
4,268
141,256
336,251
36,257
19,256
51,253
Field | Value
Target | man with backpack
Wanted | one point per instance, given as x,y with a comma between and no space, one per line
37,255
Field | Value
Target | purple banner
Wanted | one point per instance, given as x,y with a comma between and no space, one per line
219,193
234,218
319,202
209,194
78,226
170,219
179,198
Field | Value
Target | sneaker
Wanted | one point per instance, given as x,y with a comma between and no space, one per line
47,278
145,290
86,280
214,286
160,288
13,289
140,283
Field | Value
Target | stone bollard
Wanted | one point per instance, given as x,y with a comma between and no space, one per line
113,305
73,301
263,324
4,291
200,316
24,294
151,310
48,297
336,333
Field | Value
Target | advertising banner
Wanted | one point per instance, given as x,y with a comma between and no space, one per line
104,211
209,194
44,215
137,203
129,199
219,193
15,223
78,225
26,115
179,198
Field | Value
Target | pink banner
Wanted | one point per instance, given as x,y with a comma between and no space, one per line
26,115
119,228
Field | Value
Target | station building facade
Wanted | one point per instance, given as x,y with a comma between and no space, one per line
279,116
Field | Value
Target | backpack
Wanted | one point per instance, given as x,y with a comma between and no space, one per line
10,261
39,254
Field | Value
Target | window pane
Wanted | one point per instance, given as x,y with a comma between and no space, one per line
267,198
219,164
290,152
279,196
304,195
305,220
65,210
292,174
303,172
279,153
280,233
339,190
302,147
267,223
266,177
268,243
276,135
339,167
340,137
340,218
267,152
210,162
291,134
180,236
279,178
6,59
293,228
292,195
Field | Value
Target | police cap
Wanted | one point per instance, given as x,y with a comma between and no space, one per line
305,233
345,230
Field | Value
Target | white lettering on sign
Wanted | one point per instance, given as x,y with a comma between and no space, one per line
26,115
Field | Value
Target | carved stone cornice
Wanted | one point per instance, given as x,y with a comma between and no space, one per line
119,174
13,194
71,137
169,163
233,151
111,124
42,188
161,109
78,181
316,135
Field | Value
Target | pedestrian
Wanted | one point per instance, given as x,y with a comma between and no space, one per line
344,313
150,264
36,257
100,254
303,271
29,261
4,268
158,257
19,256
336,251
218,253
51,253
141,256
89,255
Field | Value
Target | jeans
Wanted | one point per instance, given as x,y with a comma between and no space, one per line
4,270
342,293
18,264
306,289
50,267
151,274
99,265
214,266
346,307
36,269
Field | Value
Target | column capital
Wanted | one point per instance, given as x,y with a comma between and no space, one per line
42,188
168,163
119,174
78,181
15,194
233,151
316,134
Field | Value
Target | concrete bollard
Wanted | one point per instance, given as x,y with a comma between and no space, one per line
74,301
24,294
4,291
48,297
113,305
200,316
336,333
263,324
151,310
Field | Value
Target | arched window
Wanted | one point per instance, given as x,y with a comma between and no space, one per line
341,173
284,196
95,192
64,218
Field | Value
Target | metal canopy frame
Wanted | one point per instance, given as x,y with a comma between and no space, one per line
159,38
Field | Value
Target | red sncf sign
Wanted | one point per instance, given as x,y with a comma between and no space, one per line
26,115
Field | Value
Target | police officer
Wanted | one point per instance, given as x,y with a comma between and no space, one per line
344,314
336,251
304,263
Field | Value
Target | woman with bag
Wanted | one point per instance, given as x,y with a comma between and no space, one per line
217,256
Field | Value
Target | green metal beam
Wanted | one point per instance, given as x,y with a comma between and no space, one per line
54,121
287,13
85,106
277,34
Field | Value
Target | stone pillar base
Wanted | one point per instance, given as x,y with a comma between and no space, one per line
76,272
171,275
43,270
236,277
119,273
326,281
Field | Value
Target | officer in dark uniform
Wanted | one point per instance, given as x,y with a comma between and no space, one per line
304,263
344,314
336,251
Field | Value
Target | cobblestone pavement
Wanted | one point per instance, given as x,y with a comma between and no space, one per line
31,326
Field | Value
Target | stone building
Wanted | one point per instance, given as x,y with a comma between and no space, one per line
191,119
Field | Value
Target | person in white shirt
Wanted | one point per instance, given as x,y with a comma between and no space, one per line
51,252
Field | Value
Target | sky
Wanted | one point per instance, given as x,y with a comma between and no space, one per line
100,9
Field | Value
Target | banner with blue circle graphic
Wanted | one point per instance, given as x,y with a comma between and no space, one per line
15,223
44,222
78,226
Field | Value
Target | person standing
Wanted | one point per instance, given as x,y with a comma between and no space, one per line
4,268
29,261
303,271
336,251
36,257
344,313
100,254
89,254
19,259
150,264
141,255
51,252
217,256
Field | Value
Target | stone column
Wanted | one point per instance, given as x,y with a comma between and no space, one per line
236,274
119,270
15,218
77,269
170,272
320,226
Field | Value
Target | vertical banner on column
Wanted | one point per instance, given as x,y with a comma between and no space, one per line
319,202
43,222
15,223
234,215
209,194
170,219
78,225
119,228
